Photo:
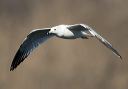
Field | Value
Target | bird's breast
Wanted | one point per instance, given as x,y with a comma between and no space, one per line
67,34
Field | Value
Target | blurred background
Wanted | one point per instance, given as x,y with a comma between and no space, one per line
60,63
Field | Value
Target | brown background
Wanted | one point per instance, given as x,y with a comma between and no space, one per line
59,63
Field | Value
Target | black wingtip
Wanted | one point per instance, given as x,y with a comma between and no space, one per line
19,57
11,68
116,53
120,57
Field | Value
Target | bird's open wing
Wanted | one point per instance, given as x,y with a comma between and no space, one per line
33,40
95,34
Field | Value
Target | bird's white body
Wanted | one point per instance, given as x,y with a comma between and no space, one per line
62,31
38,36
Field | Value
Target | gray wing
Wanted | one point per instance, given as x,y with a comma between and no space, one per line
84,27
32,41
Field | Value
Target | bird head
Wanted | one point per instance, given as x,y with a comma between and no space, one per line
58,30
53,30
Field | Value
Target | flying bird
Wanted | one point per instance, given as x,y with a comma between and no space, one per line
38,36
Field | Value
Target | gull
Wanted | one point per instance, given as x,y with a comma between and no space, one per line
38,36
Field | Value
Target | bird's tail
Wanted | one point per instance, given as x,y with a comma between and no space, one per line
104,41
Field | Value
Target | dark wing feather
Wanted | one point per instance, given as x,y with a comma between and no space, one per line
33,40
86,28
76,27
